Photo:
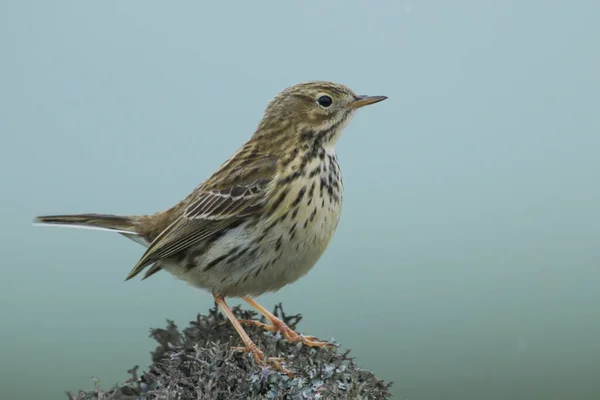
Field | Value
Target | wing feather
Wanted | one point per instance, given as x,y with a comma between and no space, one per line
219,205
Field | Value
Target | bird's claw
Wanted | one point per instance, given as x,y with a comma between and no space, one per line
250,322
288,333
312,341
259,358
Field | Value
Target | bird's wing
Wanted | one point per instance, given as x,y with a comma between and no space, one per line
223,202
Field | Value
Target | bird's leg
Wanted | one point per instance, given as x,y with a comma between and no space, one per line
279,325
249,345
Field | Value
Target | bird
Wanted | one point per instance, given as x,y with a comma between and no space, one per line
262,220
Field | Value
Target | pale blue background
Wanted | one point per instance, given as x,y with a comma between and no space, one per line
466,264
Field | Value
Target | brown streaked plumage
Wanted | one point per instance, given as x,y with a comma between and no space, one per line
263,219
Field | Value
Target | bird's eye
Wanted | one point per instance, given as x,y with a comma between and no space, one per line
325,101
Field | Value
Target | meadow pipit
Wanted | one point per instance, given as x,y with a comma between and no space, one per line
263,219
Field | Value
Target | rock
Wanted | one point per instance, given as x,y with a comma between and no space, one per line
198,363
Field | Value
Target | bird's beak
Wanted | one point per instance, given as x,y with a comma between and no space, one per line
362,101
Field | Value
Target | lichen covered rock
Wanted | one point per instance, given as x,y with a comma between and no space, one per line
198,363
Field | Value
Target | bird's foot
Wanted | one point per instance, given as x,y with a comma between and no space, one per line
279,326
259,358
251,322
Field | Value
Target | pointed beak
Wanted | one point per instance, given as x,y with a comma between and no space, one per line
362,101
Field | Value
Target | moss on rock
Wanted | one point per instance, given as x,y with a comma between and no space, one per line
198,363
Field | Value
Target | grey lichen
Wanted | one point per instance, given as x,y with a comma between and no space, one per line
198,363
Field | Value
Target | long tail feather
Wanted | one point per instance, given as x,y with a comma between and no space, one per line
114,223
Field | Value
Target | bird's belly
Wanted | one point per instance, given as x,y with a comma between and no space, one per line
256,258
301,247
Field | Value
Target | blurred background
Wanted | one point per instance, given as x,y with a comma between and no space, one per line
466,263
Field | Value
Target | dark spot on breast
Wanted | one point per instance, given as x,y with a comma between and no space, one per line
307,136
261,237
313,214
252,253
214,262
233,257
278,244
294,214
283,216
292,229
311,191
233,250
332,163
298,199
315,171
291,156
291,177
259,270
270,226
280,199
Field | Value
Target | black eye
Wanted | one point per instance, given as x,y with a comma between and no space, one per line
325,101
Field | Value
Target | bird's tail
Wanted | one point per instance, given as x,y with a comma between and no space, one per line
115,223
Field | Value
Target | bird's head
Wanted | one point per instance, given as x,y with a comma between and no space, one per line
310,111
